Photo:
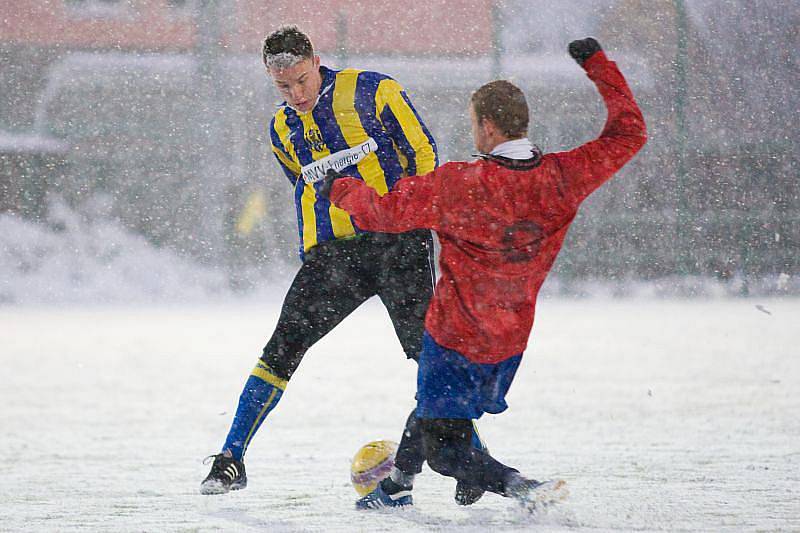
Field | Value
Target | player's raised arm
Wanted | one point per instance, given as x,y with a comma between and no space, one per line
585,168
410,205
406,128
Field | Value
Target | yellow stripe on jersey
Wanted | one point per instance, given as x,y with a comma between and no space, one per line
340,222
288,163
344,98
353,97
309,216
309,198
340,219
285,134
389,93
401,156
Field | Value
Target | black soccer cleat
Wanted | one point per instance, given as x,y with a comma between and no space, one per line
226,474
380,499
467,494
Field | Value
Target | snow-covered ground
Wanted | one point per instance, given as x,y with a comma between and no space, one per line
661,415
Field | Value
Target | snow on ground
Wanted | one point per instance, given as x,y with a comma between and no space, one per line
74,259
661,415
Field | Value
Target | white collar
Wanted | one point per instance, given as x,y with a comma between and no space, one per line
514,149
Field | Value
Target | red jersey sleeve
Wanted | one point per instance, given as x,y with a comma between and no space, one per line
587,167
411,204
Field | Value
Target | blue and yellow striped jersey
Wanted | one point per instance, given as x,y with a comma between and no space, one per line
363,125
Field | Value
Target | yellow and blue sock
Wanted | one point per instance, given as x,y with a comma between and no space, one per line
261,394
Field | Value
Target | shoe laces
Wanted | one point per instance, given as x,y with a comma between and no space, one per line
226,453
212,458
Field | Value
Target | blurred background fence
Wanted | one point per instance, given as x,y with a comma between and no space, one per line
153,113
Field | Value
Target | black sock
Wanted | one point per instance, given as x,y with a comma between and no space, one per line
390,487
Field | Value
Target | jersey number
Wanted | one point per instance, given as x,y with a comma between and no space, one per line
522,241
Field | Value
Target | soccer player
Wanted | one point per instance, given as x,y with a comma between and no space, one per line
501,221
363,123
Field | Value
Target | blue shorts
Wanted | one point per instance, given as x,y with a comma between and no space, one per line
451,386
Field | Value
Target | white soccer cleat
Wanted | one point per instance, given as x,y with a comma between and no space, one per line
536,495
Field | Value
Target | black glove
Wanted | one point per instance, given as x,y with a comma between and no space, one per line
327,183
582,49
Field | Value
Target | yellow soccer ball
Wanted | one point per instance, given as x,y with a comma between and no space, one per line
372,463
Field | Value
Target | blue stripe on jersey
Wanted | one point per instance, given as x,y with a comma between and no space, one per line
324,226
276,142
304,156
331,132
295,125
298,196
424,129
334,139
326,121
394,128
366,89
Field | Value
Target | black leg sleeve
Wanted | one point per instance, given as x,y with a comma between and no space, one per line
405,286
449,452
410,454
326,289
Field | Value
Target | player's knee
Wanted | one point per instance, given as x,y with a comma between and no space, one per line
443,441
442,464
447,429
283,358
413,426
437,455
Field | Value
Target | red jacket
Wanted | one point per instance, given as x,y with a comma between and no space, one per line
500,223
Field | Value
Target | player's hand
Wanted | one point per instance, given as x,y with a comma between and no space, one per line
327,183
582,49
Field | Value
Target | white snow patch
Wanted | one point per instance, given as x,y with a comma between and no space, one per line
661,415
73,259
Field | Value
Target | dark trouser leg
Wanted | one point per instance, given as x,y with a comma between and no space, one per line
327,288
410,453
405,286
449,451
324,291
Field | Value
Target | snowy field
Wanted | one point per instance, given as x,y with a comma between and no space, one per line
661,415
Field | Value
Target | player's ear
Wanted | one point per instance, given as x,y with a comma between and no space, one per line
489,127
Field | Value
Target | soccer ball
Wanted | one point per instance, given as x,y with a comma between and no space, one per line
372,463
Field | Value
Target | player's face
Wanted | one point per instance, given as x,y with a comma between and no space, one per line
299,84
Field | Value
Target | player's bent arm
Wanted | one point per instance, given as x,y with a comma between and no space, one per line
587,167
411,204
287,165
406,128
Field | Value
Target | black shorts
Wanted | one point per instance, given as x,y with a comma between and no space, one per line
338,276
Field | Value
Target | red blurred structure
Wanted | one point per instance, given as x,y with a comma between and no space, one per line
408,28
